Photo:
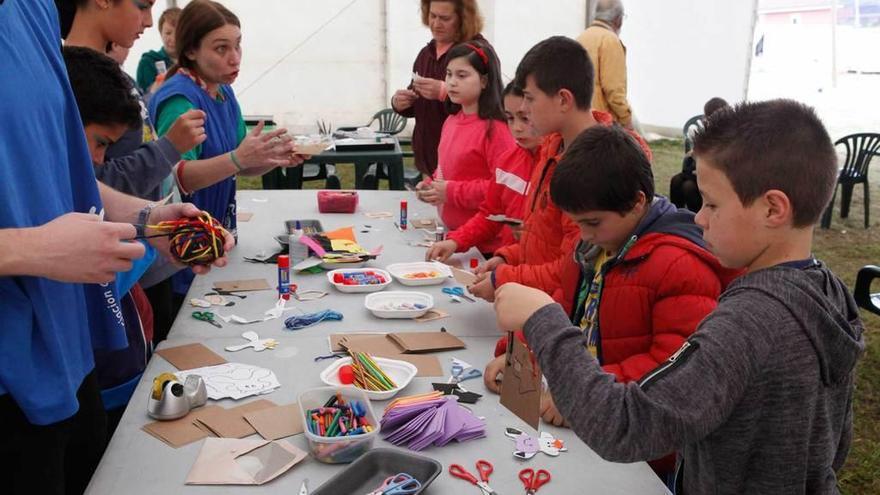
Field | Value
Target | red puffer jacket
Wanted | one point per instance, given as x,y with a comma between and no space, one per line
654,295
548,235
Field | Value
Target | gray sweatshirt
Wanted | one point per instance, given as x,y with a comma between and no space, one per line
758,400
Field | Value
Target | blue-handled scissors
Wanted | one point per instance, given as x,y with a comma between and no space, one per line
399,484
457,292
459,374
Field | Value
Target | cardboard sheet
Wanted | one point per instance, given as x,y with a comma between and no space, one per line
190,356
521,388
276,422
228,461
230,423
180,432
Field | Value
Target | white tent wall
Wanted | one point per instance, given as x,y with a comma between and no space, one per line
680,53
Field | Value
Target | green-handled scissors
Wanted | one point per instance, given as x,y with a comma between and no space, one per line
206,316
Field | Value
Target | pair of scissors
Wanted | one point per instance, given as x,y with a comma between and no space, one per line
484,467
459,375
534,479
399,484
207,317
456,292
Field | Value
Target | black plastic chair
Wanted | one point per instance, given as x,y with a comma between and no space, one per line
862,293
693,123
860,148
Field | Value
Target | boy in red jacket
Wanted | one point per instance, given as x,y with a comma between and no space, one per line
641,279
556,76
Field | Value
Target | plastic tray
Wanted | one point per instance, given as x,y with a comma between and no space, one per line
359,289
311,226
400,371
371,470
374,303
400,270
337,450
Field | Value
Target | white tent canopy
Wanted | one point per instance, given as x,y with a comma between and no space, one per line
340,60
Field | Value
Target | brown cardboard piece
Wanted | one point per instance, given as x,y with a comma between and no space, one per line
380,345
463,277
276,422
242,285
230,423
521,387
180,432
424,223
415,342
190,356
432,315
230,461
244,216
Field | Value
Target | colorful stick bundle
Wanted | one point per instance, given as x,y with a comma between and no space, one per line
338,419
194,241
368,375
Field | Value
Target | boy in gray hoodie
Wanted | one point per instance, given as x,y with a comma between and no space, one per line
759,398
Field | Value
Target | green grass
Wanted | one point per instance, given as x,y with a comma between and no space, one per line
845,247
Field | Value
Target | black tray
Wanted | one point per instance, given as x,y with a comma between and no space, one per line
371,469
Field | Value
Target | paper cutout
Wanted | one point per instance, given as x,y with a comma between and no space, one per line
432,315
190,356
528,446
276,422
464,396
429,419
255,342
521,388
463,277
234,380
345,233
244,216
242,285
227,461
378,214
230,423
181,431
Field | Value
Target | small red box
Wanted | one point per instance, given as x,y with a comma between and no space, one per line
337,201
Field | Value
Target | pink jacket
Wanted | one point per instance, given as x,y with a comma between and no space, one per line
468,155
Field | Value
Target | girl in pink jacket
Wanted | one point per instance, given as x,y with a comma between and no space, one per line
473,139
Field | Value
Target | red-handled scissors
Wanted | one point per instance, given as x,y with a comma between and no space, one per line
534,479
485,468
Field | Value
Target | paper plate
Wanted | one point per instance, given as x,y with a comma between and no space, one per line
404,273
359,289
400,372
378,303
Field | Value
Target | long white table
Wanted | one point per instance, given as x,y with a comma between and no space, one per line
136,462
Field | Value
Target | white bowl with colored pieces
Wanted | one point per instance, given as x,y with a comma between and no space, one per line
399,304
420,273
334,275
400,372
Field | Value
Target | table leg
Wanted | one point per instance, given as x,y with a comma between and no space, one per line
395,174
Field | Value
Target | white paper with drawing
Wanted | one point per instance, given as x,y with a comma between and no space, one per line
234,380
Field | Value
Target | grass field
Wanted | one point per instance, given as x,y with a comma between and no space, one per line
845,247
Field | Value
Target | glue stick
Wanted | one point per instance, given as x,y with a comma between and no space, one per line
284,277
403,215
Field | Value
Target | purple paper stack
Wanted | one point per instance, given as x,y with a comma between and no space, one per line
435,421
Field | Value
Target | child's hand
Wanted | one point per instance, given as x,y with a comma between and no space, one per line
434,193
494,370
489,266
441,251
549,413
515,304
483,287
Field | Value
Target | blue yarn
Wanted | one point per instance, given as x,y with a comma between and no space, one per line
299,322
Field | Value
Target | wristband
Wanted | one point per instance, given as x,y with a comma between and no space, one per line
143,219
235,161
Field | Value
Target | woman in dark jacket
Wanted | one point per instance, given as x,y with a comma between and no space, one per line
451,22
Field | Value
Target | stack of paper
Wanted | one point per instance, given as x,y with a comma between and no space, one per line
431,419
234,380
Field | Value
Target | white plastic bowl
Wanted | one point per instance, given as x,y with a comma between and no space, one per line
378,303
359,289
400,372
401,270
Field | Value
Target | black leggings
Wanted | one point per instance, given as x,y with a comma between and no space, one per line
54,459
